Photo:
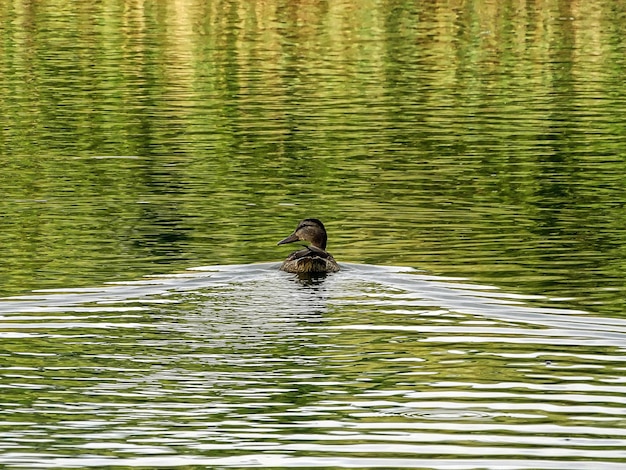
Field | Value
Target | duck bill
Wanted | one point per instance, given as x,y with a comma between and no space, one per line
290,239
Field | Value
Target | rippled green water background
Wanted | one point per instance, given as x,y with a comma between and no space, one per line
475,140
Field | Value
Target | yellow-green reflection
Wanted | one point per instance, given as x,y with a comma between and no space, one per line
466,138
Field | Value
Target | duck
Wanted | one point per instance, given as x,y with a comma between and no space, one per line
313,258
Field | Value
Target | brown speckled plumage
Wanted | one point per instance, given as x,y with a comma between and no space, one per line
312,259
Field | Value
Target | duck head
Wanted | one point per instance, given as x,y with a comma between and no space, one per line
310,230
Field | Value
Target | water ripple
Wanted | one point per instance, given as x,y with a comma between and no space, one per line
379,367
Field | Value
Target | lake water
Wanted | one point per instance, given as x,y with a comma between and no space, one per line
467,158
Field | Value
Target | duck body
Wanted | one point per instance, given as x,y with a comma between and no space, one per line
311,259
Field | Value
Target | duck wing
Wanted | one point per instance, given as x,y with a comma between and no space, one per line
310,251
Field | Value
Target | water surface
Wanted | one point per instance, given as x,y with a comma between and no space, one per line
245,365
478,144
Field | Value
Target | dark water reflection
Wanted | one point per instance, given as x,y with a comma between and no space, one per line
473,140
245,366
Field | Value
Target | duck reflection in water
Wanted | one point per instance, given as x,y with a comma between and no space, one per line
313,260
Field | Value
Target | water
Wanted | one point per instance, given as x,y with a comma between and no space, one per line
244,366
467,160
